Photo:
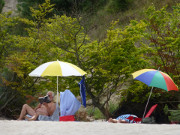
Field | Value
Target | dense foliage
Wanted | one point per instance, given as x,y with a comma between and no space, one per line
149,43
68,7
1,5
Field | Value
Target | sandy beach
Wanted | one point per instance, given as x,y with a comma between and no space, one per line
13,127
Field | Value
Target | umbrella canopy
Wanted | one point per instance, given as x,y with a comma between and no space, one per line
155,78
57,68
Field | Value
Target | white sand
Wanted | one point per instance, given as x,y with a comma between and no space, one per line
12,127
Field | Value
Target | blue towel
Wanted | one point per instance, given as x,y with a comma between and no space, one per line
125,116
83,91
69,104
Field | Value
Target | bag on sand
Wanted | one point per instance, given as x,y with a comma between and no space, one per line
148,120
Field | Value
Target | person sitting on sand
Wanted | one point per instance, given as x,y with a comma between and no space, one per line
123,119
46,109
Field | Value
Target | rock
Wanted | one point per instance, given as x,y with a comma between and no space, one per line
10,5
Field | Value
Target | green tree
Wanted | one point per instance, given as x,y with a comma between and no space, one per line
163,36
1,5
8,79
108,63
23,7
113,62
19,56
161,40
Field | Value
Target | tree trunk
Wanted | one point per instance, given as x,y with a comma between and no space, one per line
96,103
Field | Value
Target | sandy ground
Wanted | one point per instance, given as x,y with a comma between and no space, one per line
13,127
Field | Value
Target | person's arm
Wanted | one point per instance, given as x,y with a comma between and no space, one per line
38,106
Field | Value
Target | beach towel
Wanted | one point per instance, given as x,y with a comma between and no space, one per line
83,91
69,104
54,117
126,118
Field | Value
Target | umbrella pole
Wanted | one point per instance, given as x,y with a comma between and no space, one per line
57,93
147,102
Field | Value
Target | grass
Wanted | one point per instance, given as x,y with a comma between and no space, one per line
95,113
113,107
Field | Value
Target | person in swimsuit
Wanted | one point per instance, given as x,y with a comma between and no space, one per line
123,119
46,109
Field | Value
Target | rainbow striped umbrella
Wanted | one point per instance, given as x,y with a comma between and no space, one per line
57,68
155,78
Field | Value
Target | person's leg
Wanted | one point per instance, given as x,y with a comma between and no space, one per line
112,120
33,118
26,109
122,121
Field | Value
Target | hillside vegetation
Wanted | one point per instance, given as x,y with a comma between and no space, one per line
1,5
108,39
98,14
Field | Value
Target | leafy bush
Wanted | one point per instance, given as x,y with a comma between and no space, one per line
119,5
10,98
98,114
24,6
1,5
61,7
95,112
174,115
113,107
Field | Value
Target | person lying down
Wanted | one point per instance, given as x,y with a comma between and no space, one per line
126,118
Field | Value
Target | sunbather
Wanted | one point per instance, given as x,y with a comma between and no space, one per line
130,118
44,108
123,119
